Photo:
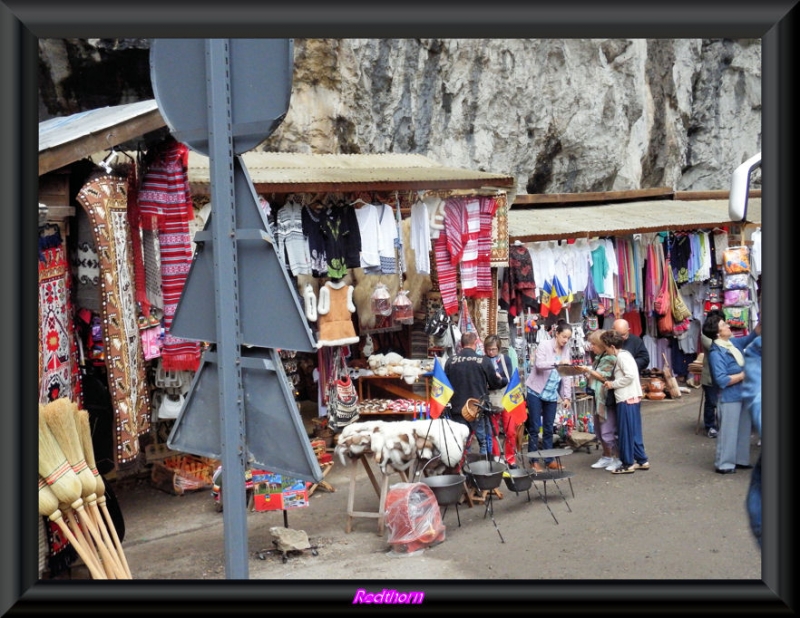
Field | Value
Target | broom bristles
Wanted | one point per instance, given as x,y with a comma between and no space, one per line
54,467
85,435
48,501
61,420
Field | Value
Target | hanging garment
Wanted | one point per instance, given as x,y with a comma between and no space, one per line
105,201
290,240
342,240
368,226
600,267
312,230
446,274
165,201
518,290
421,236
335,315
58,358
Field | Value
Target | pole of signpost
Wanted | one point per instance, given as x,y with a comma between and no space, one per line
226,299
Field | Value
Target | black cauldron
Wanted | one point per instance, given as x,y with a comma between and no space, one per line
448,488
518,480
486,474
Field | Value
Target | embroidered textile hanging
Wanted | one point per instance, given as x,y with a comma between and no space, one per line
105,201
165,204
58,352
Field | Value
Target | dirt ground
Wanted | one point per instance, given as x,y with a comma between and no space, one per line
677,521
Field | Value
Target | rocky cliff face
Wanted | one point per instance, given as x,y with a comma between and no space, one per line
561,115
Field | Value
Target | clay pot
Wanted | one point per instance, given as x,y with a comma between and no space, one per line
657,386
656,395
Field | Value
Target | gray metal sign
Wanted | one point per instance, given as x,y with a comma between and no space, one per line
260,74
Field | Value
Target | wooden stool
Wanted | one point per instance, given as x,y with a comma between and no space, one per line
323,484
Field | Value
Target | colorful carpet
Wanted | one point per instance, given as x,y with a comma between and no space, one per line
58,353
106,203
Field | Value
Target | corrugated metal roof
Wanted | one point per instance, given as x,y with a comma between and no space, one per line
67,139
292,172
614,219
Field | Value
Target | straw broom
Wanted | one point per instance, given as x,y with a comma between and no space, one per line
48,507
85,435
62,480
61,421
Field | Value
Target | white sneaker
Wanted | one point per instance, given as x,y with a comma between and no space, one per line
602,462
615,463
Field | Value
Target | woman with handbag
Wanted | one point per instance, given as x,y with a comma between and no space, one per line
726,361
544,386
627,389
605,405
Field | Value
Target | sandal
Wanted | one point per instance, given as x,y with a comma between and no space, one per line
624,470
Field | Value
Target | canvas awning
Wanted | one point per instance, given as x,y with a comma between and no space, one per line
622,218
282,172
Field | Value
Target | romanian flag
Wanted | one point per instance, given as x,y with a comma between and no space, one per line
441,389
560,296
555,305
514,399
547,296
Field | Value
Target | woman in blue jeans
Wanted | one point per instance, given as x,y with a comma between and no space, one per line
544,386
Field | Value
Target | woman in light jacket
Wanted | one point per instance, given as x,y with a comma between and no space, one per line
544,385
726,361
628,395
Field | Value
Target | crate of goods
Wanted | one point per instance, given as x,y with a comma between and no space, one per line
181,473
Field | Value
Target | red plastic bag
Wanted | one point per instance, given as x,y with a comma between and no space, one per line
413,518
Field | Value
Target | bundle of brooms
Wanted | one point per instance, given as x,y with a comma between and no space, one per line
71,489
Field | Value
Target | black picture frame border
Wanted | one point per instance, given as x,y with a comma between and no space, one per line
21,23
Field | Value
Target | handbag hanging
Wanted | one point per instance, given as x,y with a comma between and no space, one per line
342,396
662,303
680,311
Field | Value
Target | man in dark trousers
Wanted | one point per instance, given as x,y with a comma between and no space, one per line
471,375
633,344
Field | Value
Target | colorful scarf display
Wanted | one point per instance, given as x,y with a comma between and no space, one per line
58,353
165,204
105,201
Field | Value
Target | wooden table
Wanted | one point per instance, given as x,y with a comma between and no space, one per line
381,489
394,385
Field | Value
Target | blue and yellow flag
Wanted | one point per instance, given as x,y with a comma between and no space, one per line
441,389
547,297
514,399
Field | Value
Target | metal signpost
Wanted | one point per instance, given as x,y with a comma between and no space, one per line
223,97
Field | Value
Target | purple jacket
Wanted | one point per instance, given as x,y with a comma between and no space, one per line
543,362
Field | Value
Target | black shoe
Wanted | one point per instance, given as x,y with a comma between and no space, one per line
721,471
744,467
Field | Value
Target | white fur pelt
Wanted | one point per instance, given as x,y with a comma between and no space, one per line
448,438
397,445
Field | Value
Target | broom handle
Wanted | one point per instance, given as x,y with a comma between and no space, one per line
83,552
80,538
108,562
94,511
110,525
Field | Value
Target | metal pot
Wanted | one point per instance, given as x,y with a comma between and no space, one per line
519,480
486,474
447,488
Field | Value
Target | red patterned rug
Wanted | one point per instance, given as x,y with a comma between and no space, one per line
106,203
58,353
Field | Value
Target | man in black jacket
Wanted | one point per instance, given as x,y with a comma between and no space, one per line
471,375
633,344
